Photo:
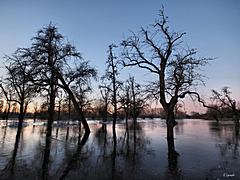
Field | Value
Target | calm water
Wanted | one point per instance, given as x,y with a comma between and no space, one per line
206,151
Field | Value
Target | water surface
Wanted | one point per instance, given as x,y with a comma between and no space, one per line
207,150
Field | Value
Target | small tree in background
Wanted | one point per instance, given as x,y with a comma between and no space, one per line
224,102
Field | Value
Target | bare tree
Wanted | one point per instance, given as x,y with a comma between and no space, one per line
51,57
113,87
223,100
18,77
159,50
47,50
132,99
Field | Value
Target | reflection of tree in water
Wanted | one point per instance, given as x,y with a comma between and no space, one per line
45,164
123,160
228,146
173,171
102,138
179,129
231,145
132,150
70,157
75,161
8,172
4,134
106,157
98,159
229,136
134,141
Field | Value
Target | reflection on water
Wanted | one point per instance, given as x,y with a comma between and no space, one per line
203,150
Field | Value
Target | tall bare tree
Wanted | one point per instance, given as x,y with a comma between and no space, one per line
48,50
58,63
113,87
160,51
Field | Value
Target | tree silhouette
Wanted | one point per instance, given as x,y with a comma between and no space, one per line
58,64
159,50
113,87
19,75
223,100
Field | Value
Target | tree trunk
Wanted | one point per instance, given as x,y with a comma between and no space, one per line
8,111
114,130
67,134
34,117
170,124
77,108
134,140
21,115
51,110
79,111
73,99
115,112
172,154
69,109
134,103
114,100
57,130
59,110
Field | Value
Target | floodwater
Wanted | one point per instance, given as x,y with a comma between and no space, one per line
207,150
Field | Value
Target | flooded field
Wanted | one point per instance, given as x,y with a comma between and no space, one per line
207,150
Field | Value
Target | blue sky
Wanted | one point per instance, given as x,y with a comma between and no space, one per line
212,27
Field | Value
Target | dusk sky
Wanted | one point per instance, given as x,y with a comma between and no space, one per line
212,27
